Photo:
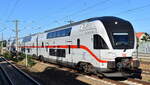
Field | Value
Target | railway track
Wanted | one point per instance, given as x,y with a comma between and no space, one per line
142,62
105,81
145,67
95,78
139,81
111,81
14,76
4,64
144,71
4,80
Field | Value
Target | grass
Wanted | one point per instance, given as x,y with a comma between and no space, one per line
30,61
20,58
7,55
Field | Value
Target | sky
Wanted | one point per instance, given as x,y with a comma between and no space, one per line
39,15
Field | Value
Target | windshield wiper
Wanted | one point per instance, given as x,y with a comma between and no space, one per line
127,46
125,50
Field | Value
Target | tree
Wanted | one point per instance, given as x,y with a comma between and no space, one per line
4,43
146,37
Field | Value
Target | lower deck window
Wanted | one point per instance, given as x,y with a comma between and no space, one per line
52,52
57,52
61,53
22,49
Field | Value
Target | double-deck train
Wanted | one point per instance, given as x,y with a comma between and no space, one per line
103,45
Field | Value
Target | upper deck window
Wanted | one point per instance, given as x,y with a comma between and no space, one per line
27,39
59,33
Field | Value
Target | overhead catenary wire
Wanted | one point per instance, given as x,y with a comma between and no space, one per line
4,27
36,28
27,26
87,8
62,9
13,8
85,12
132,9
81,10
10,13
92,6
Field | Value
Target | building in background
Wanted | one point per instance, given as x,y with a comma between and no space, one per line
142,36
143,40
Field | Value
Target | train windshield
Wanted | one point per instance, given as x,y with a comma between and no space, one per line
121,39
120,32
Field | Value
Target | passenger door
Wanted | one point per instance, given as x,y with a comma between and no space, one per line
100,45
69,51
37,46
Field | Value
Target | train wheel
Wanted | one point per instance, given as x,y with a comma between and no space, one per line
100,75
79,67
34,56
88,68
41,58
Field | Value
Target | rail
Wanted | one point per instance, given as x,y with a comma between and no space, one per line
9,82
17,71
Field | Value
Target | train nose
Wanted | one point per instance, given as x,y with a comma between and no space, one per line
111,65
123,63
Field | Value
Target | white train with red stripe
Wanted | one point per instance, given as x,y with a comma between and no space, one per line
104,45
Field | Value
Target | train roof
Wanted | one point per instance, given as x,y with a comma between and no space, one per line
104,18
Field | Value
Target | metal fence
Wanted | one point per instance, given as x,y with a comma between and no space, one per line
144,47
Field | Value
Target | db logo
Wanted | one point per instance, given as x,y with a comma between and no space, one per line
124,54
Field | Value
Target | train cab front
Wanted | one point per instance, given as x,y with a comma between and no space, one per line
121,61
124,67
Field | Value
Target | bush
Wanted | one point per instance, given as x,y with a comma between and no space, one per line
30,61
21,57
7,55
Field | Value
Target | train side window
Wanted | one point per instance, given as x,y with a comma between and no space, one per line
27,39
58,33
28,50
63,33
68,31
47,47
99,42
61,53
69,50
78,43
52,52
49,35
22,49
42,44
53,35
